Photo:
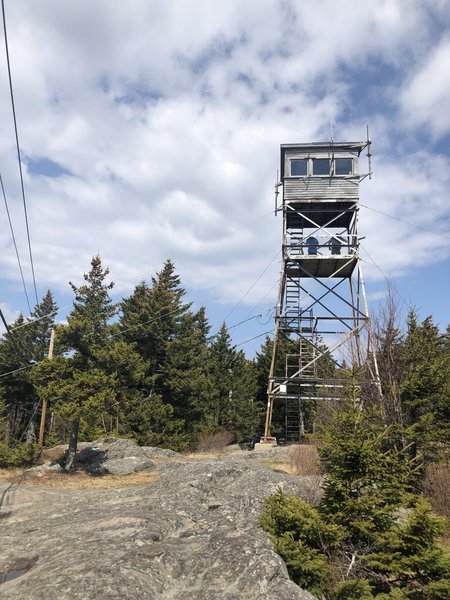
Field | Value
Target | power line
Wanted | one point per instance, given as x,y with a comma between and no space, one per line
244,321
251,287
18,151
384,275
419,227
254,338
11,336
31,321
270,314
263,298
14,242
232,232
177,309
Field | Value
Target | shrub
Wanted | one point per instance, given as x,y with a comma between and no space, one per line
22,455
301,537
304,460
214,442
371,536
436,486
353,589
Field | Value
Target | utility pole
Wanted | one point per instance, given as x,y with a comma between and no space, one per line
44,401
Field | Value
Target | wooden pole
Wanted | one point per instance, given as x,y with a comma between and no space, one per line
44,402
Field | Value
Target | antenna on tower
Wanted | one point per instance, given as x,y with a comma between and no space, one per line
277,185
369,154
332,149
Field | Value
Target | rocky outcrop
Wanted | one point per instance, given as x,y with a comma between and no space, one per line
192,534
113,455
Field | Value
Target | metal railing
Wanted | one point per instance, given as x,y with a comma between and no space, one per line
321,245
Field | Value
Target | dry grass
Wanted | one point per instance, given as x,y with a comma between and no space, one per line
300,459
276,465
214,442
304,460
10,473
79,480
436,487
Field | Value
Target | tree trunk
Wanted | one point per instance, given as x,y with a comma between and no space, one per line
72,450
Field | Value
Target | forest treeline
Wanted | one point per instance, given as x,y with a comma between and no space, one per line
149,368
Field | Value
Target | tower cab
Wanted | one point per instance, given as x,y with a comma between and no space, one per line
320,203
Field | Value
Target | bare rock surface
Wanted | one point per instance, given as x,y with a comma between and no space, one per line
192,534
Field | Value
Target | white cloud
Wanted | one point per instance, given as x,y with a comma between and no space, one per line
9,314
426,98
412,190
168,117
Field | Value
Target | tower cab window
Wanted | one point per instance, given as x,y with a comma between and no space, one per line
343,166
321,166
299,167
304,167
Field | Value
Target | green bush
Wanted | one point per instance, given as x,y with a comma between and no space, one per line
23,455
353,589
302,538
371,536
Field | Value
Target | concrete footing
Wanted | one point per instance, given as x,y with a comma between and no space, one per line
265,444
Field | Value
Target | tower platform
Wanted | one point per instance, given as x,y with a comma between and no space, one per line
321,266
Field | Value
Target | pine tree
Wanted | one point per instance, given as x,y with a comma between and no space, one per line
184,376
19,351
92,384
151,316
18,394
137,320
88,323
43,321
366,480
389,342
222,363
424,389
233,404
378,538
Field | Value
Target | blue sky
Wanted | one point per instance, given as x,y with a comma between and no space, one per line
151,130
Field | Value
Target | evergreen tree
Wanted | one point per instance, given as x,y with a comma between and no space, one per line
39,330
78,386
137,320
424,389
184,376
376,536
366,480
151,317
233,405
222,363
98,385
88,323
389,342
18,394
26,344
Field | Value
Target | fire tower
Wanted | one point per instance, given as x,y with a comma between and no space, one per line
321,307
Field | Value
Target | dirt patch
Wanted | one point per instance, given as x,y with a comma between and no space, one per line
11,475
80,480
278,466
